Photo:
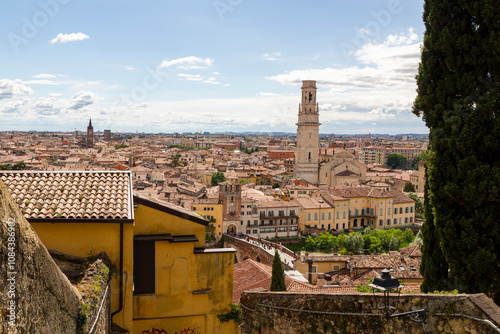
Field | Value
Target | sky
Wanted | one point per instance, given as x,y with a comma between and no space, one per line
208,65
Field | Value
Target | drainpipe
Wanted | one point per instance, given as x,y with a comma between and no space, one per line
120,272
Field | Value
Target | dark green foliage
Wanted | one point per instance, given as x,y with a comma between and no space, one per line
234,314
372,240
397,161
459,100
275,185
422,156
409,188
419,206
217,178
120,146
278,274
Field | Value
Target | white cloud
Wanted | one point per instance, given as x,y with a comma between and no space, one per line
380,86
212,81
40,82
272,55
66,38
13,89
187,63
190,77
128,68
44,76
82,99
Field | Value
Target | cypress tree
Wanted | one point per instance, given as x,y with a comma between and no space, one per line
278,274
459,100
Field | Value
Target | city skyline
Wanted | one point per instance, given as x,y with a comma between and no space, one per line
175,67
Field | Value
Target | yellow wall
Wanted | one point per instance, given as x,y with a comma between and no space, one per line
205,210
321,268
80,239
342,222
180,274
152,221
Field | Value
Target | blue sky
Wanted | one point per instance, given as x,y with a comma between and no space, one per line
217,65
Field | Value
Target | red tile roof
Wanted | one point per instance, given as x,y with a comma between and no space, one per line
71,195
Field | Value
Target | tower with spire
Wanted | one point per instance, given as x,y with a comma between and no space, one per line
90,134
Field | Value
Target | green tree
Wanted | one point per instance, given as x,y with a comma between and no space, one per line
397,161
353,242
409,188
458,97
278,274
422,156
419,206
217,178
275,185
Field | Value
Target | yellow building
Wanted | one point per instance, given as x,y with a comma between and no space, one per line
178,284
164,276
211,209
314,212
82,214
374,207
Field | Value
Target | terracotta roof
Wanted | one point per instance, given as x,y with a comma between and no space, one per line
412,251
71,195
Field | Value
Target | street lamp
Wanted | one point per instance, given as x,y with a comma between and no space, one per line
386,283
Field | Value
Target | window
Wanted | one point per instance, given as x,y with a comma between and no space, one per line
381,211
406,210
242,222
314,269
400,220
406,220
395,210
338,214
323,215
411,219
329,215
411,209
388,211
282,229
336,267
316,216
400,210
343,215
308,216
380,222
249,231
254,231
144,267
293,228
401,268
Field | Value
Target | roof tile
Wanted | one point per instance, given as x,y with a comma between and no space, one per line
78,195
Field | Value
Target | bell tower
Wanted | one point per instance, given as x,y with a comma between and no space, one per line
307,154
90,134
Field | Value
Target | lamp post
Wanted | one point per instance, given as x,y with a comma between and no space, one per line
386,283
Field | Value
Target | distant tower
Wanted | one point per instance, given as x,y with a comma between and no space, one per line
230,197
90,134
107,135
307,156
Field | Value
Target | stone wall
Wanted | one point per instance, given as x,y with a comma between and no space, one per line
245,250
284,312
96,298
35,296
